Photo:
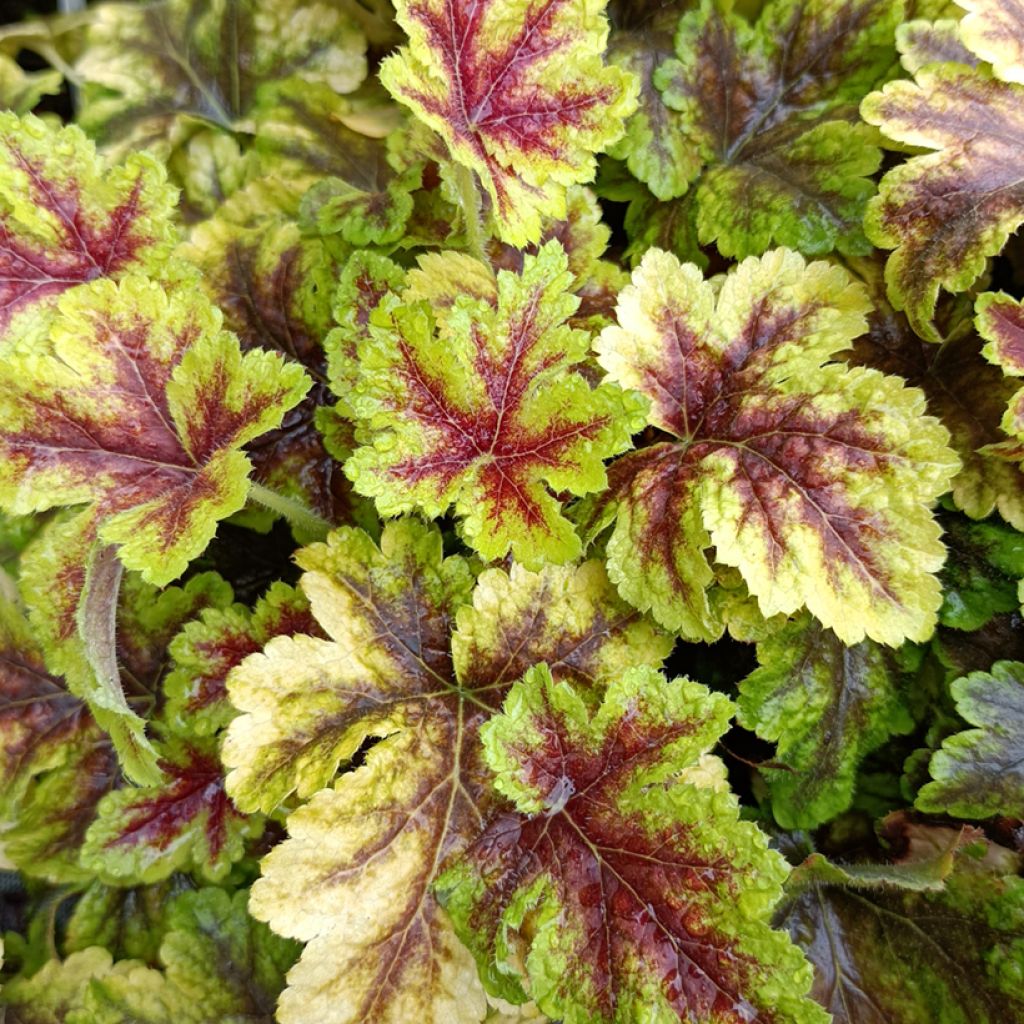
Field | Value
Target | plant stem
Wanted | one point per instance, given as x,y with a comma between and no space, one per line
295,512
470,200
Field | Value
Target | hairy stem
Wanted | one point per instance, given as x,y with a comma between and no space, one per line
295,512
470,199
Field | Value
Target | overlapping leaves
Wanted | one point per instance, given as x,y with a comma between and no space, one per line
946,211
623,885
417,658
795,468
765,130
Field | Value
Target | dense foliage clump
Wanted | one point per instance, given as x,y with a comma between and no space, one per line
512,510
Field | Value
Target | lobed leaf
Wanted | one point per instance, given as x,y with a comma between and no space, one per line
980,772
623,885
519,94
68,218
153,68
354,878
793,467
484,409
946,211
827,706
769,113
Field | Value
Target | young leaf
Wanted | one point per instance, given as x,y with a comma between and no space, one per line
827,706
795,468
66,219
354,878
888,955
152,68
53,994
207,649
980,773
624,885
770,112
518,92
143,835
488,413
946,211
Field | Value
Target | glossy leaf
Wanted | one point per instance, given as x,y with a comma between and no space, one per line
892,956
485,411
151,68
623,885
946,211
519,93
354,878
769,111
980,772
795,468
67,218
826,706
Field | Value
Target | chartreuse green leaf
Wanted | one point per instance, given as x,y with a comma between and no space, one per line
812,478
483,409
768,112
417,658
153,70
66,218
623,886
20,90
946,211
130,353
827,706
980,772
922,42
518,92
888,954
219,965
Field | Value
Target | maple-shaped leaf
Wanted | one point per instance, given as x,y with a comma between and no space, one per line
980,773
827,706
207,649
769,111
981,574
131,353
623,884
488,414
812,479
67,218
895,955
946,211
519,93
273,284
963,390
353,880
144,834
151,70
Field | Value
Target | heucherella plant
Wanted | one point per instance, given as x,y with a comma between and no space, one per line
486,538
